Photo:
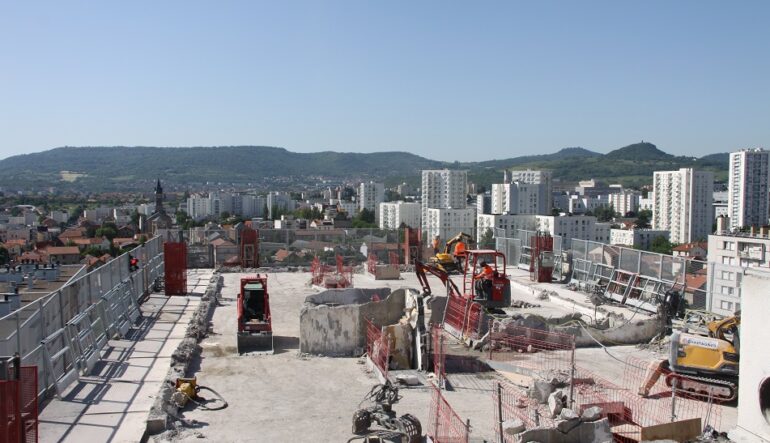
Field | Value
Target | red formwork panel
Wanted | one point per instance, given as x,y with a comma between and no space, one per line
175,268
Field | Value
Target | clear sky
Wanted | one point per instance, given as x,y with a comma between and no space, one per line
445,79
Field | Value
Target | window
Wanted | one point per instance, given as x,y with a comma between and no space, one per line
728,245
728,260
727,275
726,305
726,290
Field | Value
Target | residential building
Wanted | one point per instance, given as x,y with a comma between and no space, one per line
370,195
695,250
647,204
484,203
393,214
504,225
636,238
446,222
729,255
625,201
720,201
279,201
569,227
442,189
683,204
748,199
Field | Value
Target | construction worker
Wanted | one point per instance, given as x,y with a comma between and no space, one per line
459,254
436,241
484,281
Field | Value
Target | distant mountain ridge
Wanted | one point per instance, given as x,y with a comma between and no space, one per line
119,168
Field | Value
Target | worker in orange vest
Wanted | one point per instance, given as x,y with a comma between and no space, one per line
484,281
436,241
459,254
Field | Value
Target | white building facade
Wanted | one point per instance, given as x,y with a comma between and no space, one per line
748,200
446,223
683,204
393,214
442,189
370,195
728,256
636,238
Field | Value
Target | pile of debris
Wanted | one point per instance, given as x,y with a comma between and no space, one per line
588,427
522,304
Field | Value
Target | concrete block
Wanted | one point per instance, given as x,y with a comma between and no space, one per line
400,339
568,414
513,426
408,379
591,414
594,432
540,390
566,426
386,272
541,435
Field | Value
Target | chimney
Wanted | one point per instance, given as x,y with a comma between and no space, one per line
723,222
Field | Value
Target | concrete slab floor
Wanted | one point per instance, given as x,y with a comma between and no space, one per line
111,404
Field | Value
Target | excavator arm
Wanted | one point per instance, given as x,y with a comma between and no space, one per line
421,268
451,242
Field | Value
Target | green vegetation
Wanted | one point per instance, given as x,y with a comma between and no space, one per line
364,219
107,167
661,245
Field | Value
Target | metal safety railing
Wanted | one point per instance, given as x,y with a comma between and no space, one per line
63,333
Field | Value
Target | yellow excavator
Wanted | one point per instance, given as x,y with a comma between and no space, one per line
446,261
705,365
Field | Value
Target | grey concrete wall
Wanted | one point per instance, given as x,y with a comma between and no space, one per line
328,327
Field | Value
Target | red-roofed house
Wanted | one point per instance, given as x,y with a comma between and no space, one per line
65,255
697,250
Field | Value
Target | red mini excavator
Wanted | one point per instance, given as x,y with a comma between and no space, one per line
255,327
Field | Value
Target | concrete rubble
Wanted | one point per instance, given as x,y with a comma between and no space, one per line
164,411
571,430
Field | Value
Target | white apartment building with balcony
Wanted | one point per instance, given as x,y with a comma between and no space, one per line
683,204
625,201
442,189
728,255
392,214
748,200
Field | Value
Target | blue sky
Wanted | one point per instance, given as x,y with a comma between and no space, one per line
446,80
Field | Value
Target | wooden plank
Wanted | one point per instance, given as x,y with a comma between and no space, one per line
681,431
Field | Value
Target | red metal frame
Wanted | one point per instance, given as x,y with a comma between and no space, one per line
175,268
445,425
377,347
249,248
18,407
540,243
267,325
411,246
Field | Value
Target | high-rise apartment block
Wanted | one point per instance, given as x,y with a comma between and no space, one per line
443,189
370,195
748,200
525,192
683,204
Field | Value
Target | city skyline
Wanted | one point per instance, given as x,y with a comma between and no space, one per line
442,80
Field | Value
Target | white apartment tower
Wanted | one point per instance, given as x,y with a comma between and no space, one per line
523,192
748,199
392,214
443,189
682,204
370,195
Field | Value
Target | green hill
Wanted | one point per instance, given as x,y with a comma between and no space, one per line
135,168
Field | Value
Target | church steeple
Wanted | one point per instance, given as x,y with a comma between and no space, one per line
158,197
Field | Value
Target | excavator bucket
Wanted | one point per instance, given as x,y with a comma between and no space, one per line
255,327
256,344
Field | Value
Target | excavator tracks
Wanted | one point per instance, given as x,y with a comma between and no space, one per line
715,388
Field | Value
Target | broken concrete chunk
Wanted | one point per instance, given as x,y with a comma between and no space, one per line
540,390
591,414
566,426
568,414
540,435
408,379
594,432
513,426
556,402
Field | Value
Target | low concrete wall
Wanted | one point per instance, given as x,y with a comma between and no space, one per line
332,322
386,272
627,333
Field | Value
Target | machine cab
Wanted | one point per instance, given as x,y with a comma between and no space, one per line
499,291
253,305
